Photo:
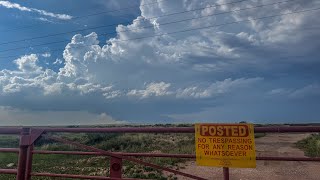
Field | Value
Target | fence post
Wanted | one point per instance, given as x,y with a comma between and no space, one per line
115,167
225,173
29,162
24,141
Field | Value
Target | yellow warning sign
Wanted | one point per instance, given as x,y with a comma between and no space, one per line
225,145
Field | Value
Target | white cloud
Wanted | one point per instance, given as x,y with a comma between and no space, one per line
28,63
217,88
45,20
46,55
31,77
112,94
10,5
152,89
58,61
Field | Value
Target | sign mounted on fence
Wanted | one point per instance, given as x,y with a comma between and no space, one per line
225,145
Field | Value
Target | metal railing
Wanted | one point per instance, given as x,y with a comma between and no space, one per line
28,136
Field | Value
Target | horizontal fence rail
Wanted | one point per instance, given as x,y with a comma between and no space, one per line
270,129
5,130
8,171
29,135
76,176
188,156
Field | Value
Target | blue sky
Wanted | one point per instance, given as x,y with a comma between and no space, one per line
159,62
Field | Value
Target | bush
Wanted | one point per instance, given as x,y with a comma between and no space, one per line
95,138
310,145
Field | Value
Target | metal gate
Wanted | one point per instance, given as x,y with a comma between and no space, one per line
28,136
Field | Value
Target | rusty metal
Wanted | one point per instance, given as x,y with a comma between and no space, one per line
8,171
226,173
35,134
116,167
289,158
269,129
9,150
286,129
123,130
268,158
10,130
76,176
116,153
23,152
265,158
29,162
123,157
31,137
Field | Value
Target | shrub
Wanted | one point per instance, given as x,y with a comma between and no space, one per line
310,145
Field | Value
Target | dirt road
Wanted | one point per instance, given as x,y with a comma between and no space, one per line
270,145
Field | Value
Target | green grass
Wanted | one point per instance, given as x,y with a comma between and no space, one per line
9,141
310,145
5,159
99,165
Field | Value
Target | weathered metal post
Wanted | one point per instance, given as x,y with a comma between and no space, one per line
29,162
23,152
225,173
34,135
115,167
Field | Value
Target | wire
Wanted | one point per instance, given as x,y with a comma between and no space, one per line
151,26
125,22
95,14
200,28
104,12
225,24
117,10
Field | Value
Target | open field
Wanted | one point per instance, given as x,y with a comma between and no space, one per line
99,166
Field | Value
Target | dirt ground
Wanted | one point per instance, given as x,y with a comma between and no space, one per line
270,145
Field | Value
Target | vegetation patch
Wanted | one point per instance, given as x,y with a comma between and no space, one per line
310,145
99,165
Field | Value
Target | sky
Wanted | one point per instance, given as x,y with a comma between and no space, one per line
84,62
